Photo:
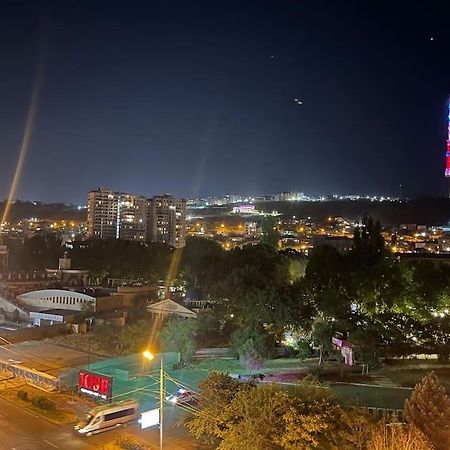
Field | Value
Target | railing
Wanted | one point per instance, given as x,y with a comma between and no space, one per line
389,415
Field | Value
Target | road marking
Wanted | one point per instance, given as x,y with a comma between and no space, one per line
49,443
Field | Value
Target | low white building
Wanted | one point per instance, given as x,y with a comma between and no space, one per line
53,316
55,299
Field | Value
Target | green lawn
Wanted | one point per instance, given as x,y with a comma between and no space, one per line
378,397
233,365
410,377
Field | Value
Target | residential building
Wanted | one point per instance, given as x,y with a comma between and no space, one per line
133,215
114,215
102,214
167,220
117,215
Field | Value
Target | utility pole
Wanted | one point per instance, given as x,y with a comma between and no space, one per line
150,356
161,401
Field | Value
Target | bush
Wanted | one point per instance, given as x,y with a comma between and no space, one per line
127,441
316,372
303,350
262,342
23,395
43,403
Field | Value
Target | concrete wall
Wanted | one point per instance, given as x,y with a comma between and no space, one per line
110,303
132,294
32,376
36,333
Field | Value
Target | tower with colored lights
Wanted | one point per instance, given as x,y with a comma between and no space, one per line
447,154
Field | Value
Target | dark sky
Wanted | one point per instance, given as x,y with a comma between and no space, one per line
197,97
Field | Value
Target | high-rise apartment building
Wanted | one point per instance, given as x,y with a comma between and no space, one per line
102,214
167,220
133,217
117,215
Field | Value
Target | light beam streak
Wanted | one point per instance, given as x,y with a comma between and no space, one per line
31,118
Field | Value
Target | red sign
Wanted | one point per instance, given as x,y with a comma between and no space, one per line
95,384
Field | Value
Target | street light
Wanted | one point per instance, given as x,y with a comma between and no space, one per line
150,356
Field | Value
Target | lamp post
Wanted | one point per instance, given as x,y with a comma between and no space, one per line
148,355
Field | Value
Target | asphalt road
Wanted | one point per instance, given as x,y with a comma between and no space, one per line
23,430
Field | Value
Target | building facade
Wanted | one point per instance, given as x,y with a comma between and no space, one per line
56,298
117,215
102,214
167,220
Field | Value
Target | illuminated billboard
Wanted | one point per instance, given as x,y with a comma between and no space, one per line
95,384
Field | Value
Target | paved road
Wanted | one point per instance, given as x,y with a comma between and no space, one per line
22,430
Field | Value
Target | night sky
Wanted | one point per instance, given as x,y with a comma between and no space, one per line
197,97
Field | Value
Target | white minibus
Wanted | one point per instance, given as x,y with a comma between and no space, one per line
106,417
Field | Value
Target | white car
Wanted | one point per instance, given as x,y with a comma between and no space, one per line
182,397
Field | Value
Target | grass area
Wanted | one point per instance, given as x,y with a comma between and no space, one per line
80,342
193,374
58,415
378,397
410,377
233,365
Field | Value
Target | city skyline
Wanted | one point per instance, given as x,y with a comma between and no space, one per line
201,100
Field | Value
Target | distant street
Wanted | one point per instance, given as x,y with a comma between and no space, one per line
22,430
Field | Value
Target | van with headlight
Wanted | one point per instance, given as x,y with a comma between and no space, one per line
107,417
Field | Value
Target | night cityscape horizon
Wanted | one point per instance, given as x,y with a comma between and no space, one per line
224,225
254,109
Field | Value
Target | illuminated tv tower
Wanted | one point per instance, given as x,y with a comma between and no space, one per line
447,154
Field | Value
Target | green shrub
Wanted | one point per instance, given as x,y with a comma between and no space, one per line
23,395
43,403
316,372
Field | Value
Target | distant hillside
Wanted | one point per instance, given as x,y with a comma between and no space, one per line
422,211
25,210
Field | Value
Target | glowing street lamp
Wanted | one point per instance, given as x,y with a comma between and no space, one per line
150,356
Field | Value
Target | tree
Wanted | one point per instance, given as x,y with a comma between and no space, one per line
239,415
249,355
41,252
429,410
259,419
270,235
365,342
311,390
135,338
178,336
322,333
397,437
326,280
261,342
199,257
216,394
211,331
368,243
303,349
106,337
